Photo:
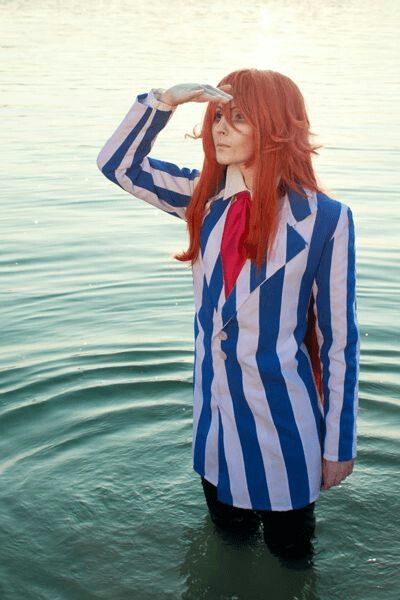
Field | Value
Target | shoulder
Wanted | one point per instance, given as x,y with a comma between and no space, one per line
332,212
328,205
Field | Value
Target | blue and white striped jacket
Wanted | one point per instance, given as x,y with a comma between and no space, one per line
259,425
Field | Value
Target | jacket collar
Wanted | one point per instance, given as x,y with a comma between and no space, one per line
294,235
298,207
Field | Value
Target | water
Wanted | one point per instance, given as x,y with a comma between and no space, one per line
97,495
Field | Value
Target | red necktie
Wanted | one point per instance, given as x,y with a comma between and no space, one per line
235,232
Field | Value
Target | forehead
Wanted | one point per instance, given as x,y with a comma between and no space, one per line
231,105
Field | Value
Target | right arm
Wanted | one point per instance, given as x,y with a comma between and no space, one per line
124,157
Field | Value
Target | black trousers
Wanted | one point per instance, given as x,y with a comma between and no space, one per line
288,534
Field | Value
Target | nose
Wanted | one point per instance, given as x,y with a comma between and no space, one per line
221,126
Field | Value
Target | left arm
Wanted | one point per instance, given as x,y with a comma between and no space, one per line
335,309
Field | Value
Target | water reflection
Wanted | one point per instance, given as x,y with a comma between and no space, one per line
220,567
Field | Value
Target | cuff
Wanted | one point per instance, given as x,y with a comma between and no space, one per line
151,99
336,458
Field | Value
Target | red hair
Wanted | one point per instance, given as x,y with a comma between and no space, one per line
274,107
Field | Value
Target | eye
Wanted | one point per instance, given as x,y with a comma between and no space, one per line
218,115
237,116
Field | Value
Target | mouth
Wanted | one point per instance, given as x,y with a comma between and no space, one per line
222,146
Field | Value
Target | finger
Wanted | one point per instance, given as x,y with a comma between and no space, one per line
202,95
196,92
325,486
226,88
328,482
209,97
219,99
217,91
217,94
206,97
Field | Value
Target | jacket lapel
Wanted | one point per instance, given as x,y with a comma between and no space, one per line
211,236
293,236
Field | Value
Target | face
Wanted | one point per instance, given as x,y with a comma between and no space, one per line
232,146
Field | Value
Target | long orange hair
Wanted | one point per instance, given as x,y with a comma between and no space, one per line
274,107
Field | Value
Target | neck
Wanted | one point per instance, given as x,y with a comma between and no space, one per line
247,174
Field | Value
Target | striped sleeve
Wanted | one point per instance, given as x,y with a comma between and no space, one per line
124,159
335,309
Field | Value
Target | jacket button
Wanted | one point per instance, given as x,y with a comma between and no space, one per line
223,355
222,335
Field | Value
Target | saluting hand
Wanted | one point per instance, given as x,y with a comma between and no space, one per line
333,472
193,92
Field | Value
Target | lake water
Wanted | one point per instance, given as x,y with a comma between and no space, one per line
98,499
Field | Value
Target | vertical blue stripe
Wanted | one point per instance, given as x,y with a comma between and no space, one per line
115,160
135,172
326,224
245,423
299,204
145,180
305,371
304,367
295,243
216,211
323,302
173,170
257,276
276,391
196,333
207,375
229,307
216,282
158,123
347,417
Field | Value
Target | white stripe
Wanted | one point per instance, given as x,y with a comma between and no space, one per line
221,302
162,179
320,337
197,391
211,451
243,284
267,435
144,194
356,387
276,256
286,348
181,185
213,246
133,116
232,445
211,457
337,361
151,198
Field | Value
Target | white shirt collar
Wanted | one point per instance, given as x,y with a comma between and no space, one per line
234,182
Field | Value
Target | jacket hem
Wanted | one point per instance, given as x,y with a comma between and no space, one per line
278,509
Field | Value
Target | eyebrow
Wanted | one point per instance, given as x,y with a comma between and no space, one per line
232,107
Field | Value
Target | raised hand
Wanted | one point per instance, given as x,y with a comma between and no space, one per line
193,92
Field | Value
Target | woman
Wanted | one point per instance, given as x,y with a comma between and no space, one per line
276,335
